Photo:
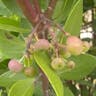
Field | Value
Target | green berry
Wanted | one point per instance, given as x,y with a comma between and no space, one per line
71,64
58,63
29,71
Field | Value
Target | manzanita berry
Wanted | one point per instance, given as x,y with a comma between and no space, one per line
29,71
15,66
58,63
71,64
74,45
42,44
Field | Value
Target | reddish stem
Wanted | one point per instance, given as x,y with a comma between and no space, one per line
37,6
28,11
45,83
50,9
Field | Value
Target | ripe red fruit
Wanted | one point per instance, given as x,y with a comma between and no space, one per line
74,45
29,71
42,44
15,66
58,63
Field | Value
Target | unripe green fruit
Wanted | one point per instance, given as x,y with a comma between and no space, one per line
29,71
86,46
58,63
74,45
15,66
42,44
71,64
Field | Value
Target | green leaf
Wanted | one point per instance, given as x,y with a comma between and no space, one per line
38,91
3,66
85,64
8,78
44,4
67,92
43,61
57,12
3,10
22,88
12,47
8,21
11,25
13,7
62,10
74,20
73,88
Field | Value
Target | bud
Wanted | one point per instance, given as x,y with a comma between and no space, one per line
58,63
42,44
15,66
29,71
71,64
74,45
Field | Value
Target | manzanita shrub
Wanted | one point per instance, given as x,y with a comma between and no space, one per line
41,53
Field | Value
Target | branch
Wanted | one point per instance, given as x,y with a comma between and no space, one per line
45,83
57,25
28,11
37,6
50,9
29,39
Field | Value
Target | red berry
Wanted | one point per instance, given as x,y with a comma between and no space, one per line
42,44
74,45
29,71
15,66
58,63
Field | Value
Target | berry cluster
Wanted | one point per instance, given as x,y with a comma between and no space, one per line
73,46
58,52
